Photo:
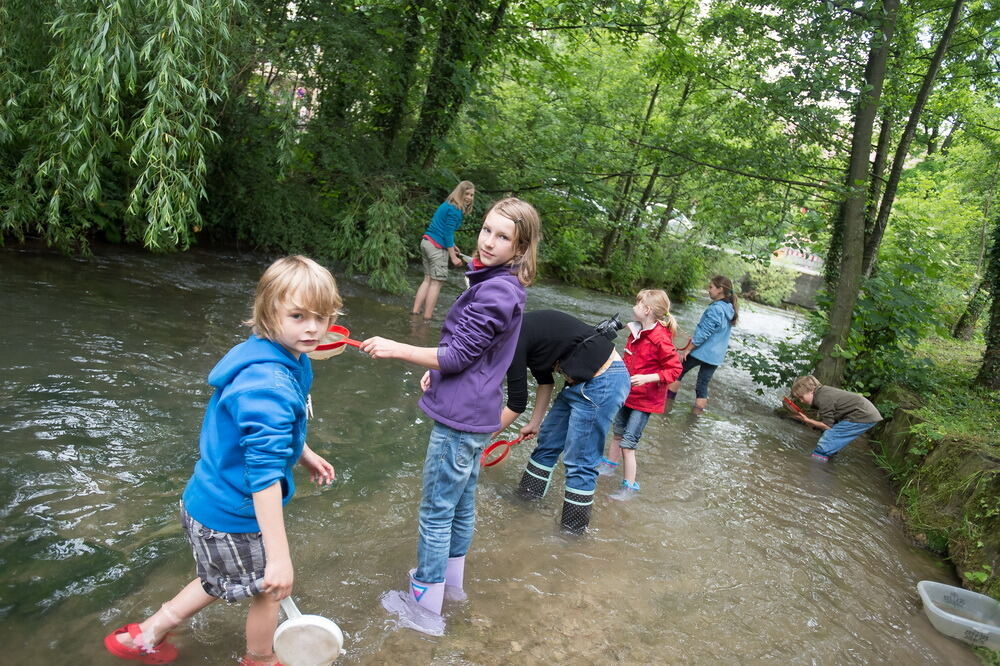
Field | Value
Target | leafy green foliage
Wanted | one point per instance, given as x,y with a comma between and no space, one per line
120,93
771,283
566,251
777,364
383,252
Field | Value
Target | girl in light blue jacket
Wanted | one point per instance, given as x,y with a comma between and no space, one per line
707,348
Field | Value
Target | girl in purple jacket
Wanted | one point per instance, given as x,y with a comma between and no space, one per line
463,394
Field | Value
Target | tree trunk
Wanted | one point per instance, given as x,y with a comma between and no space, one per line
463,43
851,222
946,144
902,150
621,209
932,137
989,372
668,212
878,168
966,324
637,213
391,106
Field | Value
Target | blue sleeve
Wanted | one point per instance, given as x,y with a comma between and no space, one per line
712,320
483,319
266,421
453,221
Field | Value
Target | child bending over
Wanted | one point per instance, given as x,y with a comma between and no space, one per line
844,416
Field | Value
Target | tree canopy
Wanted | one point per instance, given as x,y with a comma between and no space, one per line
654,138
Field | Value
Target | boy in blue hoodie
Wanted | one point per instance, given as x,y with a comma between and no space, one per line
253,433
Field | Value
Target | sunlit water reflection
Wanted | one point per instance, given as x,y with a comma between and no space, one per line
739,548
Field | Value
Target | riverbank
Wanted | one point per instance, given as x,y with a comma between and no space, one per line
942,451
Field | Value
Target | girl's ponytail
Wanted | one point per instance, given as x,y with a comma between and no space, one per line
728,295
658,301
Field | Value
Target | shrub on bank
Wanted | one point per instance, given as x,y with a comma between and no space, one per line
942,450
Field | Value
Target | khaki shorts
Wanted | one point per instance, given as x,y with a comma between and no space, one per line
435,260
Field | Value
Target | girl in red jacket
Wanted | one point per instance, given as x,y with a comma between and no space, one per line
652,363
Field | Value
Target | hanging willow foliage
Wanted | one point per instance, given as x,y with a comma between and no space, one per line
107,113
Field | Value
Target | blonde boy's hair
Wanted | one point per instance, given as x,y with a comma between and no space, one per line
658,301
527,235
457,196
298,281
804,385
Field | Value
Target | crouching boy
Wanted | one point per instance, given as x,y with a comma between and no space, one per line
844,416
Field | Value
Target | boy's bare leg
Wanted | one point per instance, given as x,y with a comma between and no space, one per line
700,404
186,603
262,620
628,466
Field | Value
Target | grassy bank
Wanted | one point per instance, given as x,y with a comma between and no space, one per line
942,449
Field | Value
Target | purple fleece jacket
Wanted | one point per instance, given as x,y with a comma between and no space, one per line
477,344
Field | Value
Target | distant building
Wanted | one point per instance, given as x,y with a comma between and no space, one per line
805,262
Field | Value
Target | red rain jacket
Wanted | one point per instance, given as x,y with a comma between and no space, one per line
651,352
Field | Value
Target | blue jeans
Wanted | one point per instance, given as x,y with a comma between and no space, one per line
629,424
839,436
577,426
705,372
448,505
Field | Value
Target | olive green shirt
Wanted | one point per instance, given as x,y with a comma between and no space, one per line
835,405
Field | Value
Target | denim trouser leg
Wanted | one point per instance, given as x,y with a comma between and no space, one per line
839,436
578,423
705,372
629,424
448,505
552,433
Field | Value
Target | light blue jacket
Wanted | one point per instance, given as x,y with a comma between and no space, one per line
253,433
711,337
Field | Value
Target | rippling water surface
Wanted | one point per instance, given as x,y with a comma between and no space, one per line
739,549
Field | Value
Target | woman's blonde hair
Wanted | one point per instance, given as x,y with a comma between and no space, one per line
803,385
457,196
298,281
527,235
658,301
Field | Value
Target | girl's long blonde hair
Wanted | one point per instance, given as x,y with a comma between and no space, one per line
658,301
527,235
457,196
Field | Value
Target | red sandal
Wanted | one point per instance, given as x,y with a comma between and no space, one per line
162,653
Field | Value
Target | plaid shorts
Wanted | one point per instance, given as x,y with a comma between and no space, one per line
230,565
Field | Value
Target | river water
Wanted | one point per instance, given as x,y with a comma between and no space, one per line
740,549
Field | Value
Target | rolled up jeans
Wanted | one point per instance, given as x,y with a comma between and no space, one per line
840,435
448,505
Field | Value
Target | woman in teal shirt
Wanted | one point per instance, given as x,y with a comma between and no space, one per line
437,247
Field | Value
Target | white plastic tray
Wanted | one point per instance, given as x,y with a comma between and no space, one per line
959,613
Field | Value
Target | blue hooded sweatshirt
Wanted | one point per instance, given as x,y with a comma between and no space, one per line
253,433
711,336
